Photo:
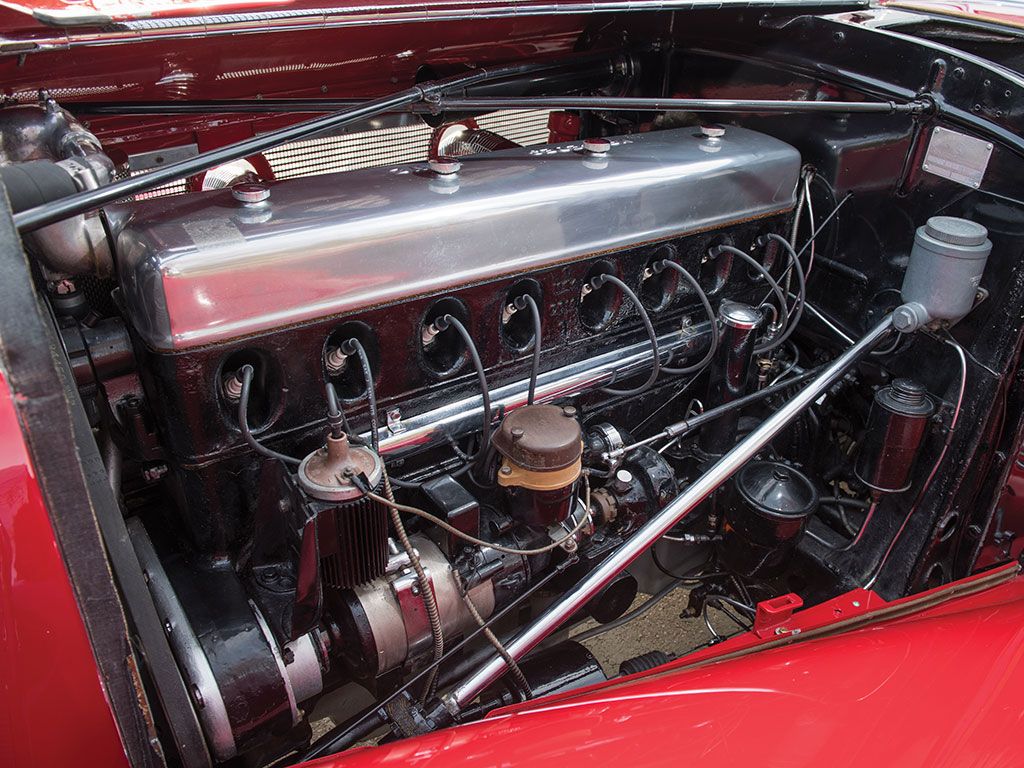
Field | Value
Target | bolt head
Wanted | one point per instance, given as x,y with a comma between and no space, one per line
597,146
712,131
250,192
444,166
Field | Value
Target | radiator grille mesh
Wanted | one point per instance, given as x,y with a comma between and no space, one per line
375,148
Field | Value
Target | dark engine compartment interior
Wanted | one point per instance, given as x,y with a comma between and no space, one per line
355,421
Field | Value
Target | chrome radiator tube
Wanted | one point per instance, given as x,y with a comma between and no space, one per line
660,524
452,420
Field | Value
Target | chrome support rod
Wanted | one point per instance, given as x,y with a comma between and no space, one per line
488,103
754,106
662,523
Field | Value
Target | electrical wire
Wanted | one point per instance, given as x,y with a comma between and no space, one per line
243,420
789,366
798,213
758,267
961,355
748,609
634,614
443,323
354,346
697,577
860,531
798,308
345,735
480,542
596,283
732,616
680,429
810,219
715,637
821,227
804,194
492,638
530,304
794,314
425,585
715,333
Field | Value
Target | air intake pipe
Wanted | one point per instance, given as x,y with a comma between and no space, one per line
46,155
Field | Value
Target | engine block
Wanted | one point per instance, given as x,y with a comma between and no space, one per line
211,283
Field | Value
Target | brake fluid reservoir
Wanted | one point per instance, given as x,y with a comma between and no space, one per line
945,268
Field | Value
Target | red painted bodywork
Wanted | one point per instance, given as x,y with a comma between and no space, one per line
53,712
990,11
1005,538
940,686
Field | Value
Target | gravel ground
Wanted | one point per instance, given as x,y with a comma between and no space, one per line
660,629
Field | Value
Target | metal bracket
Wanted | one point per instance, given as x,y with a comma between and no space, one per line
414,612
771,615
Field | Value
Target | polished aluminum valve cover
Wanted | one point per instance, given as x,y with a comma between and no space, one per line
204,268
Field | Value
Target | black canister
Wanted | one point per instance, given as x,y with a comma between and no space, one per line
896,428
770,505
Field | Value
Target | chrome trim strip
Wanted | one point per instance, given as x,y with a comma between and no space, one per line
262,22
461,417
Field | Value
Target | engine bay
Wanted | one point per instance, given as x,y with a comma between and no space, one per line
403,428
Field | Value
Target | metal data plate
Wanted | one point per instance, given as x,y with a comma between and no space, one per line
957,157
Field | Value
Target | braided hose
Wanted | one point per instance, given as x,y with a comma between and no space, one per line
426,590
513,667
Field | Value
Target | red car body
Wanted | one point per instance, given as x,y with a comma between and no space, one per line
937,683
938,675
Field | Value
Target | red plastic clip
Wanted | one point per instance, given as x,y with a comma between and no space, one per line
773,613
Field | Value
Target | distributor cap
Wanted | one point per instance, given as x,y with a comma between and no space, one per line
328,473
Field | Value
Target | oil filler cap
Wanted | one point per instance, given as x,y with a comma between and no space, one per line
250,192
540,438
777,490
955,231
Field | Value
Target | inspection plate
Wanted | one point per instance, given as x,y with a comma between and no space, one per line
957,157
